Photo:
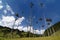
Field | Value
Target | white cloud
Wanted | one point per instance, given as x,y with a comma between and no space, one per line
9,9
8,18
5,11
37,32
26,29
20,28
42,31
9,21
0,1
1,6
19,20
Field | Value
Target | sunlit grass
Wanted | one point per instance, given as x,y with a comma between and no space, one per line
34,38
55,36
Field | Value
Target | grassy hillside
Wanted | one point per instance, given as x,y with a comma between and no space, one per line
57,34
5,34
15,33
52,30
52,37
36,38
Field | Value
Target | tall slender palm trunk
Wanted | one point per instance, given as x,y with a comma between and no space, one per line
12,30
31,6
53,30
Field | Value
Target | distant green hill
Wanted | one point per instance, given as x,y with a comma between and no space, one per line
56,34
53,30
15,33
6,32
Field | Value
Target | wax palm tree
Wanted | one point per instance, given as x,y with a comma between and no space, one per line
30,18
42,28
41,5
22,12
17,15
37,22
50,20
41,19
43,25
49,31
49,23
46,20
13,26
14,23
31,5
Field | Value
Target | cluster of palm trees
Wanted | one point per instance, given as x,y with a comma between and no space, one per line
48,21
17,16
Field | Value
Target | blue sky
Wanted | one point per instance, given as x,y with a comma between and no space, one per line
51,10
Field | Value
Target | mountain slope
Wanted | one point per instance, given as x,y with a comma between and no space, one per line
57,34
6,32
15,33
53,29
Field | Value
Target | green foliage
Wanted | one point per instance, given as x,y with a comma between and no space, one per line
52,29
15,33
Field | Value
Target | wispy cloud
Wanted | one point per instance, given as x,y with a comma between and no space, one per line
19,20
5,11
1,6
9,9
0,1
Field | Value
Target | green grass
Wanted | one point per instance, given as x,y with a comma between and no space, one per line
37,38
55,36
